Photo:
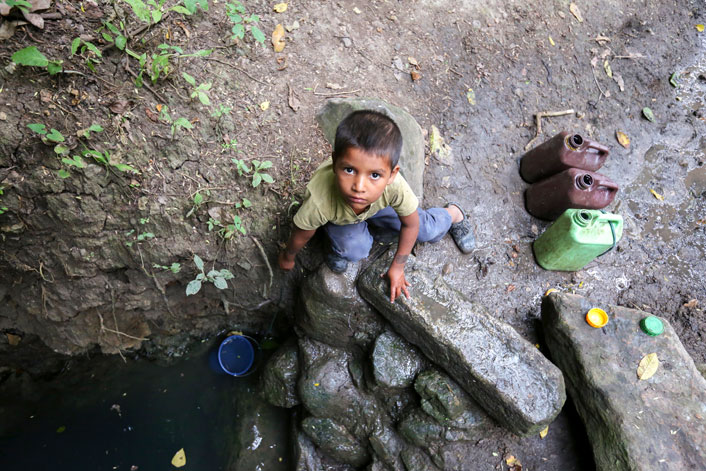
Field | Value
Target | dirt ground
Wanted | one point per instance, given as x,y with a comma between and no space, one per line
479,71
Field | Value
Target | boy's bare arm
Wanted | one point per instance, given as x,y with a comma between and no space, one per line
408,236
297,240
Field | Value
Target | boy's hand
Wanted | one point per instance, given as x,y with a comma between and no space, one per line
286,262
398,283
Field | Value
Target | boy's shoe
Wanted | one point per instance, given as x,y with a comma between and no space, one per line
462,232
336,263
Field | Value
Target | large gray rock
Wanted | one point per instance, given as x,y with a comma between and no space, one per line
416,460
412,156
335,441
395,361
333,312
443,399
326,388
308,458
503,372
278,381
653,424
387,446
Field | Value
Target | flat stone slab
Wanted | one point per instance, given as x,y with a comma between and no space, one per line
653,424
498,368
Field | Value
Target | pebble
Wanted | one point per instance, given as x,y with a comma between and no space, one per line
347,42
3,116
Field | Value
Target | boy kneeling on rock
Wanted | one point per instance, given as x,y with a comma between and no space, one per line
360,185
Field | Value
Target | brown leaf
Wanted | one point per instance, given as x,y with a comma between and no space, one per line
45,96
574,9
119,106
415,75
292,100
183,28
278,38
691,304
151,115
413,61
34,18
13,339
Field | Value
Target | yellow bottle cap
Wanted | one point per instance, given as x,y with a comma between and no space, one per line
550,291
596,318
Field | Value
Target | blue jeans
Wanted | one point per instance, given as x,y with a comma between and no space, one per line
353,241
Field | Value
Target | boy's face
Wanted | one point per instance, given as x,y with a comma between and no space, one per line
362,177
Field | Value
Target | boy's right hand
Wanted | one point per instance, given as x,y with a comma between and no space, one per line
286,262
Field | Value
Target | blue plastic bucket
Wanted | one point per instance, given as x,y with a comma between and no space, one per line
236,355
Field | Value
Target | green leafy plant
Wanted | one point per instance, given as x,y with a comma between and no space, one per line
241,166
115,35
238,16
190,7
3,209
92,128
258,176
197,202
150,12
142,236
90,53
232,229
220,111
20,4
219,278
161,65
200,90
174,267
176,124
31,57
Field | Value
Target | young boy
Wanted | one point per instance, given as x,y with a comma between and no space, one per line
360,185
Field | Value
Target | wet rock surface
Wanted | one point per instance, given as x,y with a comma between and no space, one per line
656,423
278,381
335,441
443,399
395,362
333,312
503,372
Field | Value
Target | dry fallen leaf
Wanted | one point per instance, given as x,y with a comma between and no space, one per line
600,38
700,28
623,139
574,9
333,86
357,11
179,459
413,61
292,100
151,115
551,41
415,75
690,305
278,38
648,366
608,70
13,339
656,195
544,432
265,105
280,7
471,96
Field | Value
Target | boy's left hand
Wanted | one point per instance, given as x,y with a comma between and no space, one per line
398,283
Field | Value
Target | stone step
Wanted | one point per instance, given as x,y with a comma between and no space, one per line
503,372
653,424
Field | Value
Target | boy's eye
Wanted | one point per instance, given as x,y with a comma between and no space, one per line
375,175
348,170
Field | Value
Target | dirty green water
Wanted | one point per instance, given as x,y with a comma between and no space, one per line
104,414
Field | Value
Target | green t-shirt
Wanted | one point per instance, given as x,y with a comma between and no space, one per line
323,202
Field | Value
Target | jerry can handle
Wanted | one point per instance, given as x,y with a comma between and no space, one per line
612,219
598,147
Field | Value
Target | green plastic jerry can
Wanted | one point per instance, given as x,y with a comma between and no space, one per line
577,237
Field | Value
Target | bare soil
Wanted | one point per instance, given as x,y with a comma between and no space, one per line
74,278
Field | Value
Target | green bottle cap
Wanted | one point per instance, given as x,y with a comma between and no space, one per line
652,326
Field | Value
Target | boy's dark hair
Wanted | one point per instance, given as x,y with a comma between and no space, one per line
370,131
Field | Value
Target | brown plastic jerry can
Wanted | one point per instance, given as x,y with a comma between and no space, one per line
559,153
572,188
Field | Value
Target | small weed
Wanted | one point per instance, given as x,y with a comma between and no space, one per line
219,278
21,4
90,53
198,90
119,40
220,111
3,209
174,267
176,124
258,176
237,15
232,144
142,236
150,12
197,201
241,167
31,57
190,7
